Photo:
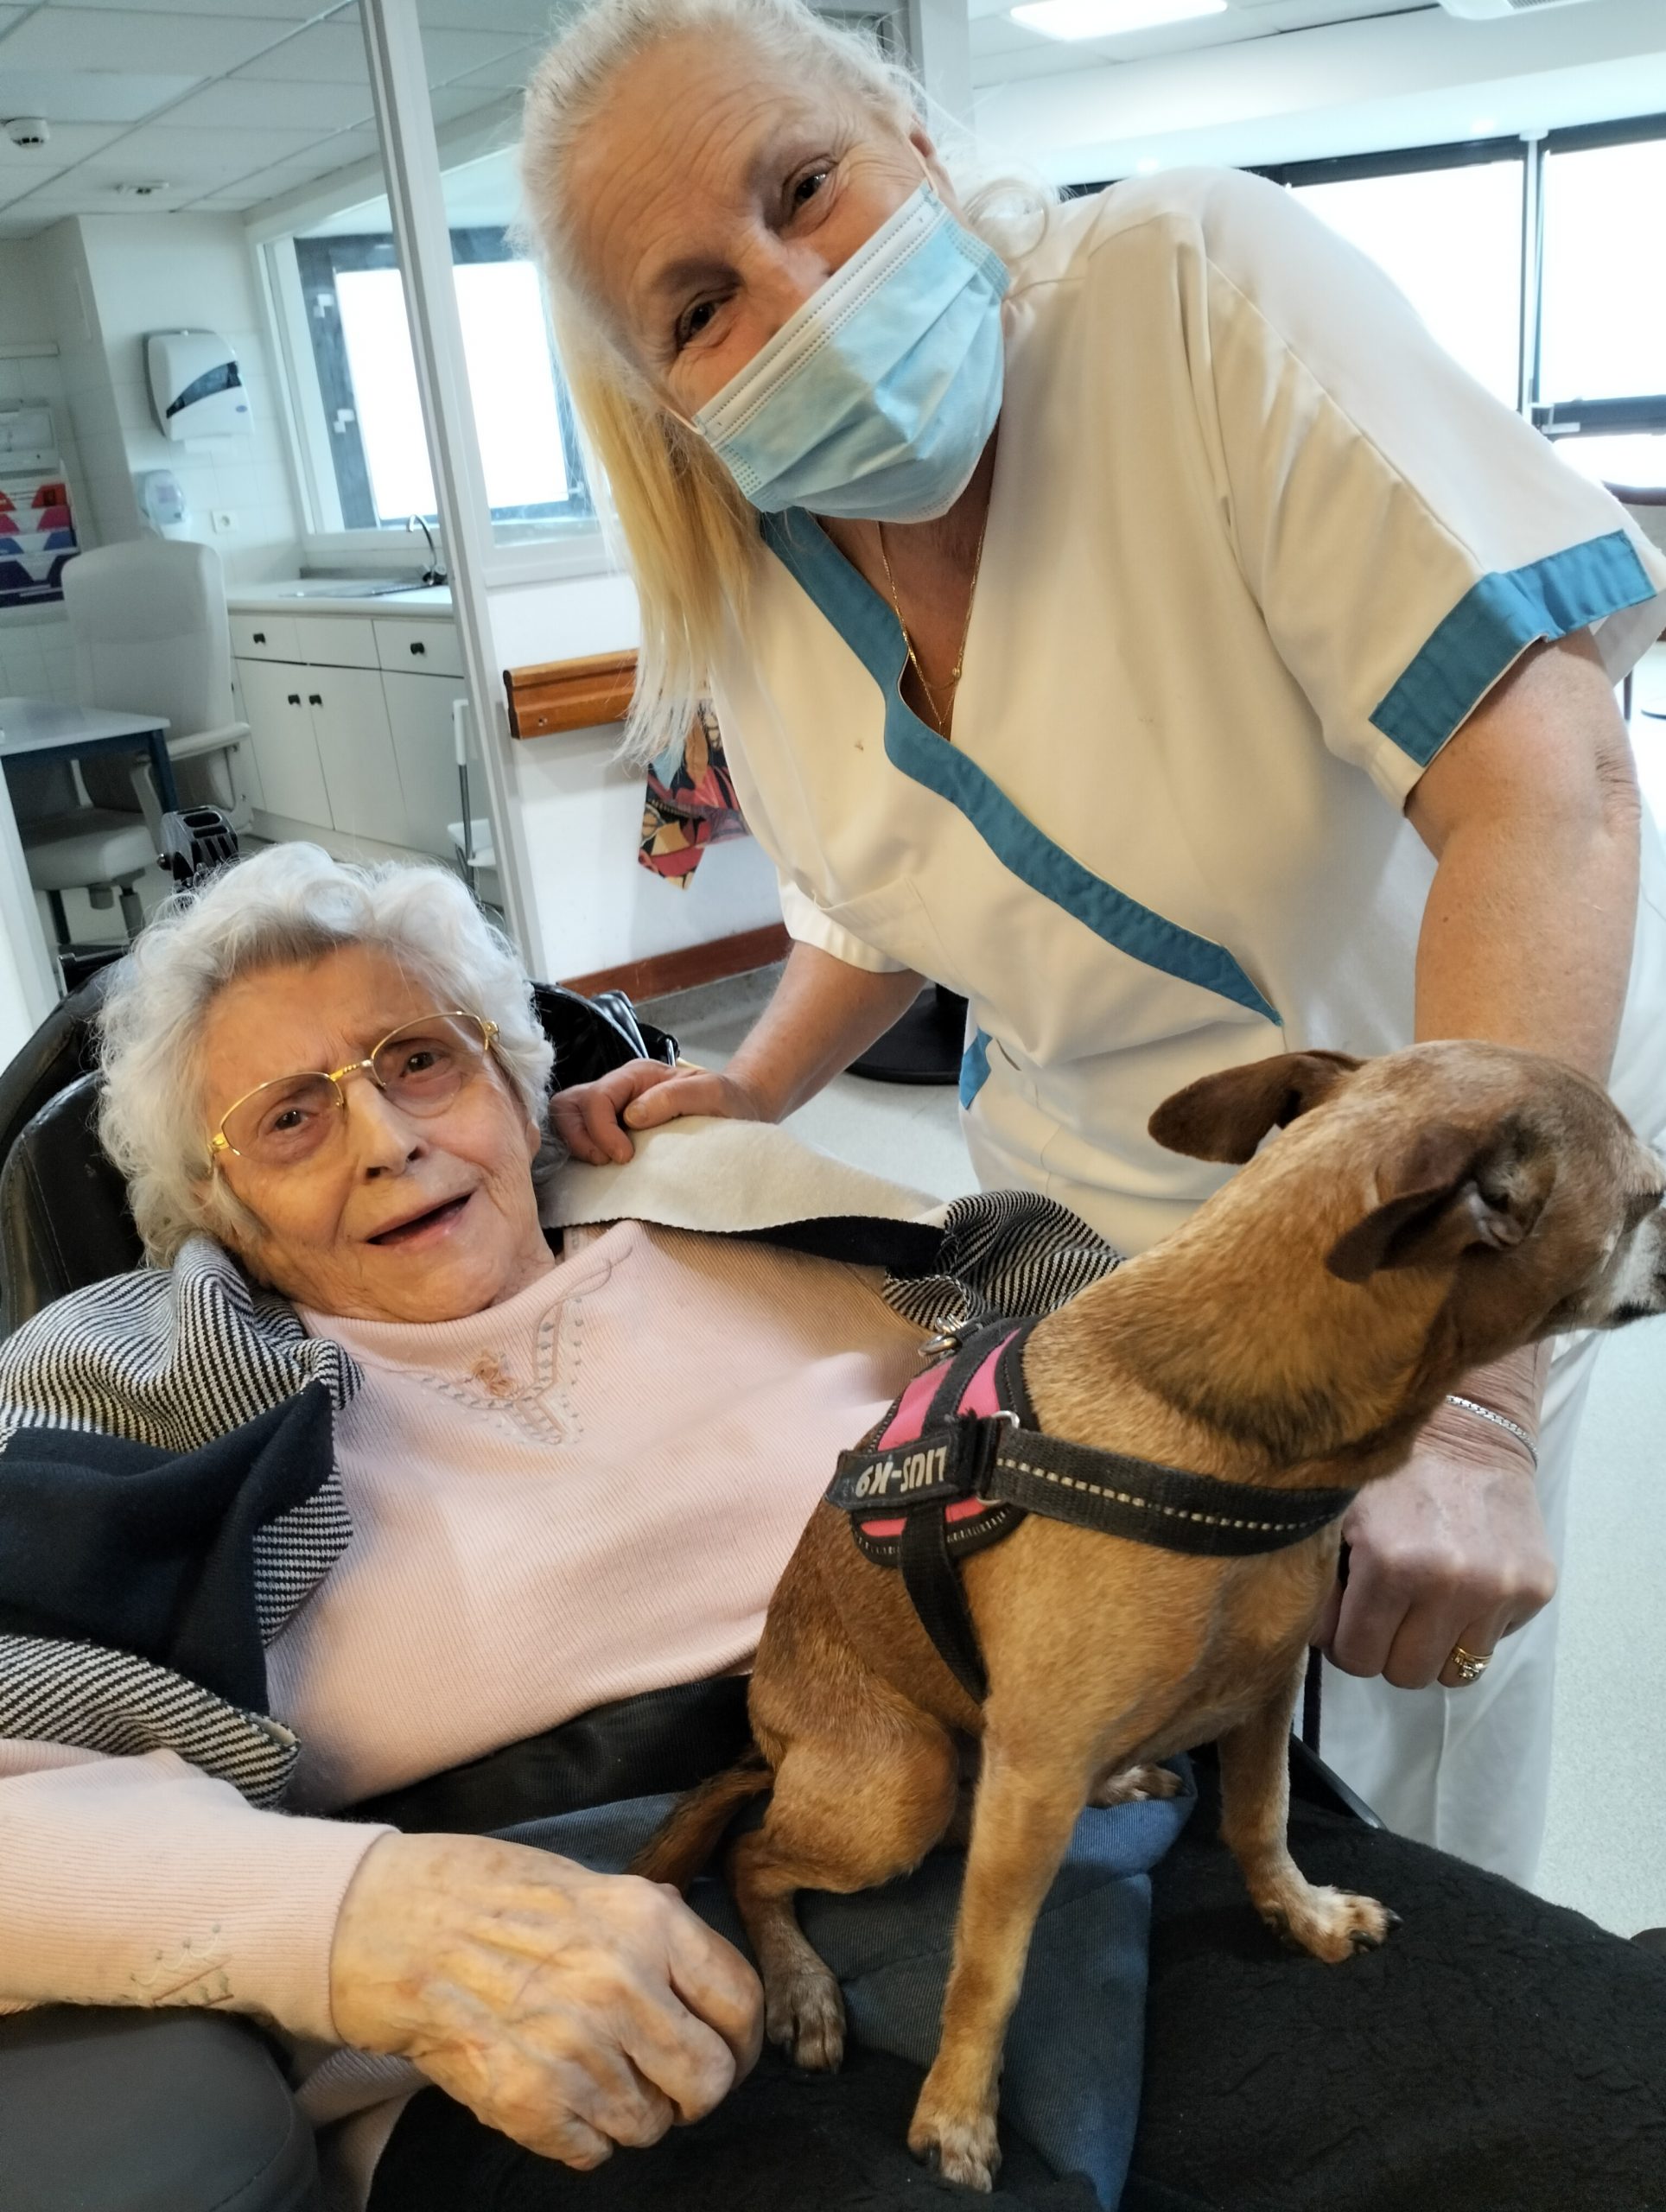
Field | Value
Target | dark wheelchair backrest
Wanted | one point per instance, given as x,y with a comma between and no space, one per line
64,1217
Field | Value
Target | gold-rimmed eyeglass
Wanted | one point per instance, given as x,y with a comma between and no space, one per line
420,1066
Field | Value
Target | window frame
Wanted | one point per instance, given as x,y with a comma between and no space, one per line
1572,418
319,261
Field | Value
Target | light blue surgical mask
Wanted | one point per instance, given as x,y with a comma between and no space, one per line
874,401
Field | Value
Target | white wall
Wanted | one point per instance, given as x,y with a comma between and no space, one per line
58,277
158,272
593,905
35,649
1419,78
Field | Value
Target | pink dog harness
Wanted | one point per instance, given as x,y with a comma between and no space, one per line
959,1461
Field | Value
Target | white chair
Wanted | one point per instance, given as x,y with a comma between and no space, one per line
151,637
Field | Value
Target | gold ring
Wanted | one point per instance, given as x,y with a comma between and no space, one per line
1469,1666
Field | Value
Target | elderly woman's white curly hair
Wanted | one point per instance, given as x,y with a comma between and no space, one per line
288,904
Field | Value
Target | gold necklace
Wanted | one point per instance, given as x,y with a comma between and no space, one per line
953,683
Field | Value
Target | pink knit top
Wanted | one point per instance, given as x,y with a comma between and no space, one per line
587,1491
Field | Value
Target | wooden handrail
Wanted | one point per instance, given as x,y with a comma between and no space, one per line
552,696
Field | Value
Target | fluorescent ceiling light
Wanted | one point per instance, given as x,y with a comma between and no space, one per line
1106,18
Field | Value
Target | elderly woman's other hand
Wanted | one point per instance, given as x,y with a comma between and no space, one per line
591,1118
569,2009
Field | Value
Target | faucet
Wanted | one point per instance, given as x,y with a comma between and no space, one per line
434,574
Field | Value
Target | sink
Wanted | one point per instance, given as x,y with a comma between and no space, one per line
345,587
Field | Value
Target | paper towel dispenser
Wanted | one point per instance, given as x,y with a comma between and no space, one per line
196,386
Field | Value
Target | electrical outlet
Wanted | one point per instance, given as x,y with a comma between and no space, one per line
222,520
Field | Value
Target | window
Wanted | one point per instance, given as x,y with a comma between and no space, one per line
1601,385
1446,225
361,355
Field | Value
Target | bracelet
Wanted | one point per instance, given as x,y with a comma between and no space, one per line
1499,1420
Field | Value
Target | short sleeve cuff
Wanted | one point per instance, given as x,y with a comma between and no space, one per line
807,924
1610,584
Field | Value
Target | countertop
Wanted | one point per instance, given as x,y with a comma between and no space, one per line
432,601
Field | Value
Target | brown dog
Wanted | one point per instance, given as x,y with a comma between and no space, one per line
1425,1214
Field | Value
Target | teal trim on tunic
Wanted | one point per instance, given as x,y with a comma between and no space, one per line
870,628
974,1067
1496,619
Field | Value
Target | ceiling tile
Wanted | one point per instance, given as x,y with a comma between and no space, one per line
205,157
70,142
346,151
450,54
146,39
322,54
78,194
509,73
530,18
268,102
448,102
294,11
90,95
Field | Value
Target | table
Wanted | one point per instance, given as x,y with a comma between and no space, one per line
39,730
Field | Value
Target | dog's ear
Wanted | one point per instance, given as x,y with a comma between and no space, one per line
1225,1116
1453,1191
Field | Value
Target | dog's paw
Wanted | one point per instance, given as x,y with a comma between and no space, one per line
1126,1785
805,2016
1330,1924
960,2147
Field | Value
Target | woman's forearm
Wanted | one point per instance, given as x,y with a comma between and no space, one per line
140,1881
824,1014
1533,815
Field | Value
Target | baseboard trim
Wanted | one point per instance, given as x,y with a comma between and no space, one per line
651,978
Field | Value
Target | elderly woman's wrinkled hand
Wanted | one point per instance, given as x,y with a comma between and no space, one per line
572,2011
590,1118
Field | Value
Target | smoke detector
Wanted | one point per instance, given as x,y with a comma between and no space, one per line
28,130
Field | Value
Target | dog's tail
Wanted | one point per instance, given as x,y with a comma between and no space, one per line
681,1847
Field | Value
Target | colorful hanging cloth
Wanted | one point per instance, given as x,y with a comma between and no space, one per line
689,803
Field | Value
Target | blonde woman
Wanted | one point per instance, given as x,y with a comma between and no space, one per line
1132,620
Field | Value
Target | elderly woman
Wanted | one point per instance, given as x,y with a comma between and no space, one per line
1128,617
380,1495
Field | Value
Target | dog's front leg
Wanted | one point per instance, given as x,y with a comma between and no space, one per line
1254,1818
1022,1826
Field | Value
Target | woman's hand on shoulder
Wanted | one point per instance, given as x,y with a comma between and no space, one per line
593,1120
569,2009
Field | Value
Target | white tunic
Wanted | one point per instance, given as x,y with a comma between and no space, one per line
1255,548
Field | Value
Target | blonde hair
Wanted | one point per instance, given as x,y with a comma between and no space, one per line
690,536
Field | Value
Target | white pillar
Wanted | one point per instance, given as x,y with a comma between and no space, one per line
940,40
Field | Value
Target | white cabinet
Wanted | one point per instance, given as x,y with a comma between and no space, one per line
419,648
264,637
281,731
419,712
336,640
344,739
350,722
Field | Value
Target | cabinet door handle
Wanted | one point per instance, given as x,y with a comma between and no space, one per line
314,699
419,648
295,698
260,637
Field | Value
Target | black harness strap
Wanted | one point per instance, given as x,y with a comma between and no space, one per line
924,1491
938,1597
